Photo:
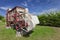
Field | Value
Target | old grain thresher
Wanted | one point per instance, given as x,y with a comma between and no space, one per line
19,19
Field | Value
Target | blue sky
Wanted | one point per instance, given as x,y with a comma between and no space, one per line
35,6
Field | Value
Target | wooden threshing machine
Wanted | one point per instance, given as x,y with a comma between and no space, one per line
19,19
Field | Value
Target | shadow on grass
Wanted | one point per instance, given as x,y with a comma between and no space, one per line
28,34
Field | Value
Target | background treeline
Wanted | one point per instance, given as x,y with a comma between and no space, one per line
46,19
50,19
2,18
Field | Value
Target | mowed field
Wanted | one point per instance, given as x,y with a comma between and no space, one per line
40,33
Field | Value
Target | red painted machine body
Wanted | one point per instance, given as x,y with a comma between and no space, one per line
16,16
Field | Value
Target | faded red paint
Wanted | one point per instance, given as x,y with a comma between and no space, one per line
17,21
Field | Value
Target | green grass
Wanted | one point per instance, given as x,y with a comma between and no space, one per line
40,33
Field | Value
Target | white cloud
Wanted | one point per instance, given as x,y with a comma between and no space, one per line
49,10
25,4
4,8
46,11
34,13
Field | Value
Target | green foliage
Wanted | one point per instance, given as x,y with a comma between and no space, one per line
2,18
51,19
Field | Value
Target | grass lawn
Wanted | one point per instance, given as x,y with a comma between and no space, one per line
40,33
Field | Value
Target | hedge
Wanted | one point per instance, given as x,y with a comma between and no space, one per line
50,19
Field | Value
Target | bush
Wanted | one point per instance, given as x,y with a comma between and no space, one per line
51,19
2,18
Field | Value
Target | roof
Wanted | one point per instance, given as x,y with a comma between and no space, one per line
15,8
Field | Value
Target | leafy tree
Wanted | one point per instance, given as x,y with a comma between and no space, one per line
50,19
2,18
